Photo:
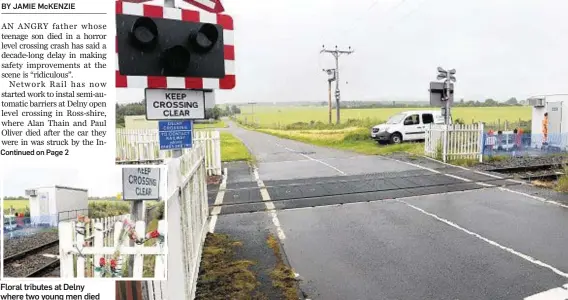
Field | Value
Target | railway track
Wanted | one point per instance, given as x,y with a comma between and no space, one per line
525,169
543,172
41,261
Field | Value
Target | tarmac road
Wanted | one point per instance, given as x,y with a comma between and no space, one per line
367,227
281,159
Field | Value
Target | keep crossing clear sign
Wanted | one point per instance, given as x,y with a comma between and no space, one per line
141,184
174,104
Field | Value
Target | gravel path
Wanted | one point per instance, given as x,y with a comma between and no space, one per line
25,266
19,244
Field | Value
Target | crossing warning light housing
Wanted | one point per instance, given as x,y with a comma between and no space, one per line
157,44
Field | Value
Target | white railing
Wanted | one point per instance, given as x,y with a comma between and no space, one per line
83,245
463,142
144,145
187,211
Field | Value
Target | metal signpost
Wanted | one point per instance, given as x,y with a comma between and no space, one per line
175,104
448,77
138,185
330,79
441,93
179,56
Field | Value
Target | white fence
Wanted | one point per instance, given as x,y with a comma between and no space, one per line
187,211
463,142
144,145
82,245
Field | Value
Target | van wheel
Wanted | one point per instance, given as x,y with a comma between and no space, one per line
396,138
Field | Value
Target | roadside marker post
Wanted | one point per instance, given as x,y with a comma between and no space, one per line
442,93
139,185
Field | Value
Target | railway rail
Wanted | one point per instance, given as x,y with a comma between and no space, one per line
525,169
543,172
40,261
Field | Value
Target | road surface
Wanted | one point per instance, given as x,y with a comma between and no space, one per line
369,227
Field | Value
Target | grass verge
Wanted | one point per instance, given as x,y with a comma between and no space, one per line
282,276
232,149
216,124
562,184
353,139
470,162
221,276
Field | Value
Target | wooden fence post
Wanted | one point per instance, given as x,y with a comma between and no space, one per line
80,231
117,233
138,267
481,132
98,242
161,260
66,231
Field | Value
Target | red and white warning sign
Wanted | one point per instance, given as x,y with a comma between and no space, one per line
213,6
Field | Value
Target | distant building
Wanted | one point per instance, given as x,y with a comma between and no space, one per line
139,122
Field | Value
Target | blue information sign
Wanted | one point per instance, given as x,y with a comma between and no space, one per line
175,134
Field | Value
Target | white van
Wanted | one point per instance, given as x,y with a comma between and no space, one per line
406,126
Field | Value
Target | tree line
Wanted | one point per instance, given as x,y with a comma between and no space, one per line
139,108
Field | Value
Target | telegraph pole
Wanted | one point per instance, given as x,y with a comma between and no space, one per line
331,78
336,54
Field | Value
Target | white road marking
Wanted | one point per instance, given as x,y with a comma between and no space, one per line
445,174
269,205
510,250
487,174
218,201
285,161
478,172
458,178
559,293
414,165
447,164
534,197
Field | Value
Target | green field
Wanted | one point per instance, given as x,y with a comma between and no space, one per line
274,117
216,124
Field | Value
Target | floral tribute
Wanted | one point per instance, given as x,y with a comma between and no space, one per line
108,267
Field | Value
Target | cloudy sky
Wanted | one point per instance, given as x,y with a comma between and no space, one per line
100,182
500,48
